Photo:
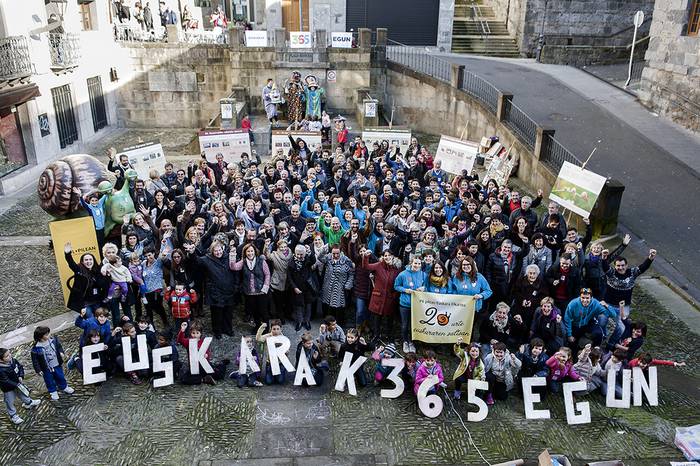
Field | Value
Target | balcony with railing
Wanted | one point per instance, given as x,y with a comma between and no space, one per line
15,61
65,50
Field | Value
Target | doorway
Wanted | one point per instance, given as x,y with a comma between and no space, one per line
292,12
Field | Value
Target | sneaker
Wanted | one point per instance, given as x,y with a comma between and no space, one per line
406,348
209,380
411,347
233,375
54,396
144,300
258,383
16,419
71,363
457,395
133,378
489,399
31,404
307,325
298,326
69,390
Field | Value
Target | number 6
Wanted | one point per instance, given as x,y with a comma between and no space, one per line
430,405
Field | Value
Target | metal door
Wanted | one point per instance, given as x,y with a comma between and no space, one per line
97,103
411,22
65,116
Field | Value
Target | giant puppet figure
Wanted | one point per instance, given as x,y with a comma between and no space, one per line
295,94
314,96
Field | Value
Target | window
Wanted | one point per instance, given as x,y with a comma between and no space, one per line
694,18
85,16
65,116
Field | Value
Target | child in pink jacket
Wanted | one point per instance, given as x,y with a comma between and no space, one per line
429,367
561,369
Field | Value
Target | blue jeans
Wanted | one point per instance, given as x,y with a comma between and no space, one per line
55,378
279,379
90,310
405,324
114,308
361,311
10,400
619,326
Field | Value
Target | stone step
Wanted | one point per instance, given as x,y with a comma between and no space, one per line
485,12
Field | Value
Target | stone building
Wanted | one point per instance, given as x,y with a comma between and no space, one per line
671,80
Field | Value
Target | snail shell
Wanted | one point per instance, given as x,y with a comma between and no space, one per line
60,177
443,319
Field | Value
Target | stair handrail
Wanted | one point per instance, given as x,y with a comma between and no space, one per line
485,28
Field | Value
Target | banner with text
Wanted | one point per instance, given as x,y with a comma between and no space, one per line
300,40
256,38
441,318
281,142
577,189
230,143
456,155
396,137
341,40
80,233
146,157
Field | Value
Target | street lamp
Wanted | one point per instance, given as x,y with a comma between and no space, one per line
540,39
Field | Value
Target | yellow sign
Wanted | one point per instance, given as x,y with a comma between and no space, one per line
80,232
441,318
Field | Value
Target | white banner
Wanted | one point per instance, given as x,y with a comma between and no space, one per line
577,189
300,40
281,142
146,157
341,40
230,143
256,38
456,155
441,318
395,137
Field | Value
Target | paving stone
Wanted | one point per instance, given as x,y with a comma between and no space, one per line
294,441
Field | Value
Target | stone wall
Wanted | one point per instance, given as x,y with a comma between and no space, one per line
512,12
671,81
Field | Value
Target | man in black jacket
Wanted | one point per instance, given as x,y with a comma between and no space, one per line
337,185
502,269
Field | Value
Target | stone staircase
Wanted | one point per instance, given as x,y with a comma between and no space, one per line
477,31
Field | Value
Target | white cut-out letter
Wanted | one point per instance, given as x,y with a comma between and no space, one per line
198,356
640,385
472,398
347,373
584,416
430,405
160,366
246,359
90,363
303,371
277,348
129,364
610,398
530,398
394,376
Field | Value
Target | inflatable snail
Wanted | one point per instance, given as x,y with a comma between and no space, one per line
56,183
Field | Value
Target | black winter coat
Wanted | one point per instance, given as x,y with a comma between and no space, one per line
303,278
221,283
10,375
87,287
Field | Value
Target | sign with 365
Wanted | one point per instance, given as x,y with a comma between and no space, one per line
300,40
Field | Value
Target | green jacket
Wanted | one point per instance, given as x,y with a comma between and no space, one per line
332,237
479,373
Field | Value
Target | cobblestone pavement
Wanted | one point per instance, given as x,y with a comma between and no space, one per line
120,423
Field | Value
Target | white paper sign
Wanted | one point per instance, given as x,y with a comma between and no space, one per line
230,143
577,189
145,157
370,109
341,40
300,40
281,142
395,137
256,38
456,155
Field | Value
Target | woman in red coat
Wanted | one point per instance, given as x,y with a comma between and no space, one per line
384,299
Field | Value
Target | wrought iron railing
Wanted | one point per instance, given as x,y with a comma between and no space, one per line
128,33
519,122
554,154
65,49
200,36
481,90
419,60
15,61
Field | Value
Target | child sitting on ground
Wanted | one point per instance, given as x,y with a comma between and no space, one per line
331,337
632,339
99,321
308,349
501,368
561,369
180,301
275,331
93,337
186,376
249,377
410,368
163,341
429,366
379,355
144,327
47,359
644,361
12,385
117,350
588,367
470,365
534,361
617,362
356,345
120,276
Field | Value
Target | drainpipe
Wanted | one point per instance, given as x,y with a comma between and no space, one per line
540,40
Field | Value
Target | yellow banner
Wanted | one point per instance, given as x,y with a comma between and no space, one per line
80,232
441,318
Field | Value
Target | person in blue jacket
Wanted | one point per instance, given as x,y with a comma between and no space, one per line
47,359
581,318
468,281
408,281
437,279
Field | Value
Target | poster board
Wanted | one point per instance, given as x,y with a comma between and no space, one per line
456,155
231,143
300,40
396,136
500,168
280,140
146,157
341,40
80,232
256,38
441,318
577,189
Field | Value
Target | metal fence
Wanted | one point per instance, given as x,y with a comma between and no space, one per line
420,60
15,61
518,121
481,90
65,49
199,36
128,33
554,154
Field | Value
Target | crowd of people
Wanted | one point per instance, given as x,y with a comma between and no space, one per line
346,235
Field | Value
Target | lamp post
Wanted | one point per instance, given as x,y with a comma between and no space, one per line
540,39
